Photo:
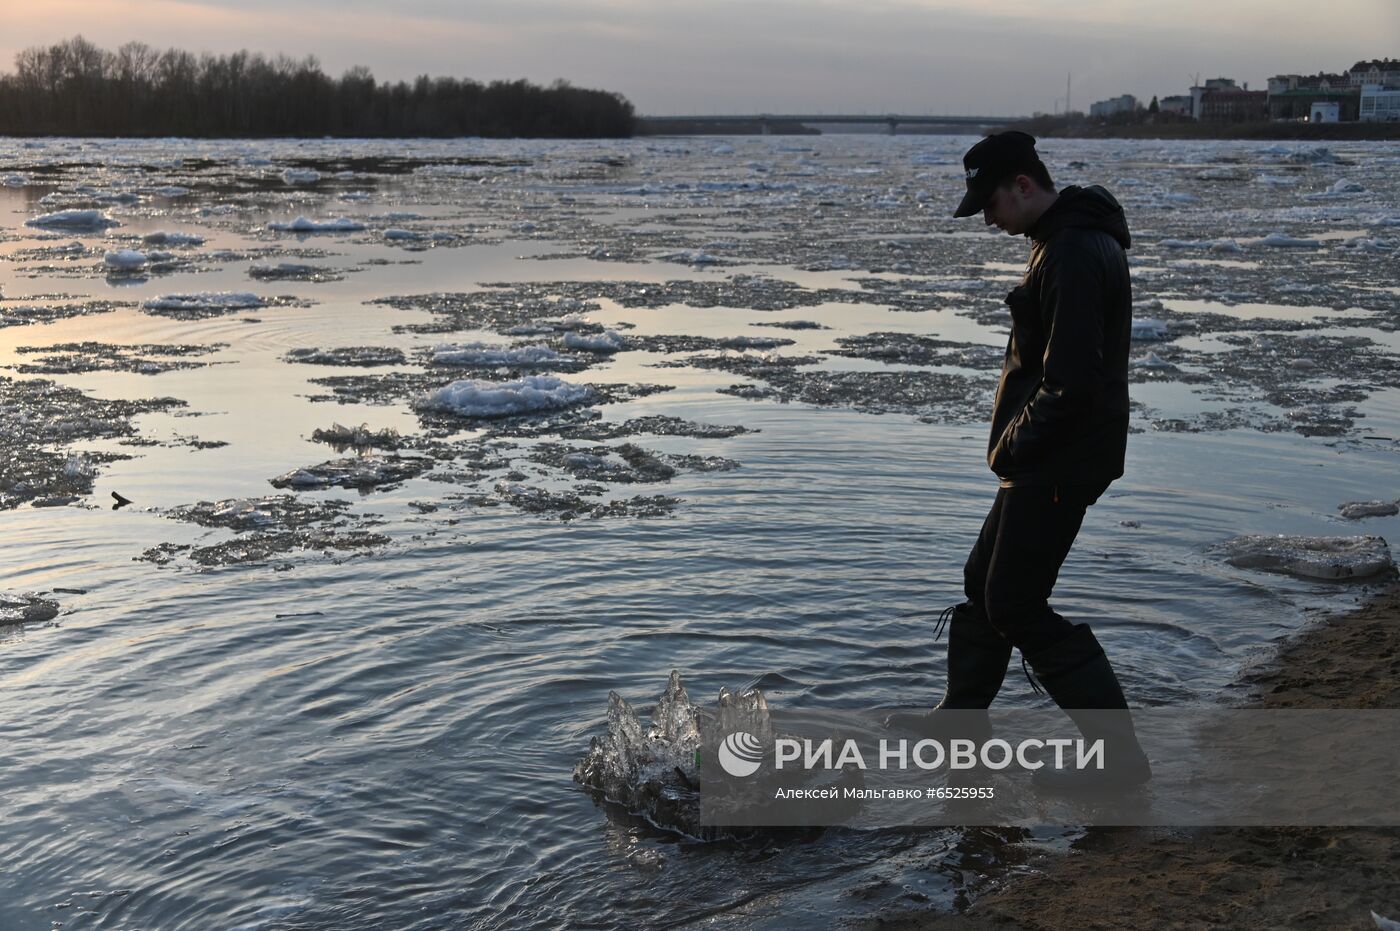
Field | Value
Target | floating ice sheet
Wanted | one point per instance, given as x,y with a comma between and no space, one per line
205,302
1331,558
307,225
480,354
1355,510
90,220
124,259
471,397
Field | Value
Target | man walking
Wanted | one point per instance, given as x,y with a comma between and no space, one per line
1059,434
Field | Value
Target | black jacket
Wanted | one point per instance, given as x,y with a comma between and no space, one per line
1061,412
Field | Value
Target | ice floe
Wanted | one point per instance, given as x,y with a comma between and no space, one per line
347,355
38,415
307,225
362,437
1211,245
70,358
1344,187
205,302
1149,328
1332,558
266,528
471,397
26,609
293,271
301,176
368,471
167,238
1150,361
1355,510
572,505
483,355
124,259
1281,241
607,341
91,220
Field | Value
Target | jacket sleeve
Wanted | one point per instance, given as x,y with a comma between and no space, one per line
1072,306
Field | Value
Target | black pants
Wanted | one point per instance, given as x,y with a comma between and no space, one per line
1017,558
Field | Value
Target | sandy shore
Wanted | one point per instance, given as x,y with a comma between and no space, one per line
1315,878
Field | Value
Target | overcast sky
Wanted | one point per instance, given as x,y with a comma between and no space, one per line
746,56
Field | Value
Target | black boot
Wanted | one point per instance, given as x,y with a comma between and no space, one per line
1077,675
977,658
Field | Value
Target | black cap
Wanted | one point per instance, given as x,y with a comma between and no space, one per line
991,162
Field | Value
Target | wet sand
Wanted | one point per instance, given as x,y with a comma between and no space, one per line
1316,878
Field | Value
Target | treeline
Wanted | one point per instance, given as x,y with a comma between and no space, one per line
75,88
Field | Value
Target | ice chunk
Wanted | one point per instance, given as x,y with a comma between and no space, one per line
301,176
26,609
482,354
754,342
171,190
124,259
470,397
1355,510
691,257
1151,361
73,220
654,771
1149,329
291,271
607,341
1280,241
358,437
1310,155
1310,557
15,180
300,478
164,238
356,472
305,225
394,234
1342,188
206,301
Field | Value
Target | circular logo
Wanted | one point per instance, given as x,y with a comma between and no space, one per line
740,754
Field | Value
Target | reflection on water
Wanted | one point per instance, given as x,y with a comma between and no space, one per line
385,737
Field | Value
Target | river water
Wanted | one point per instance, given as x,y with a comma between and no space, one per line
380,732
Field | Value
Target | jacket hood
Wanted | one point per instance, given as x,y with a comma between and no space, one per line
1085,207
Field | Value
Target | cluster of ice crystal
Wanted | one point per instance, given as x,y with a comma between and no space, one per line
653,771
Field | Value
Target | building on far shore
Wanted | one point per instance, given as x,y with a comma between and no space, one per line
1325,113
1296,98
1199,92
1234,105
1379,104
1178,105
1382,71
1102,110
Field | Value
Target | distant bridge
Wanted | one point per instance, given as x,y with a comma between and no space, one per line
766,121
